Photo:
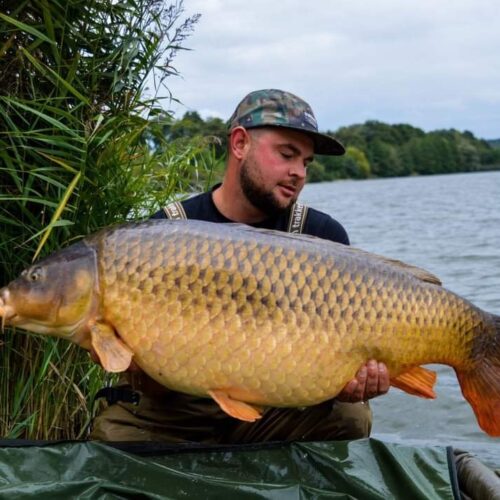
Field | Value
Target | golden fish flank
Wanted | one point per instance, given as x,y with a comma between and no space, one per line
253,317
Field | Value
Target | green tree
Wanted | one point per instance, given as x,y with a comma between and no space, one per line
361,166
192,125
315,172
469,156
384,159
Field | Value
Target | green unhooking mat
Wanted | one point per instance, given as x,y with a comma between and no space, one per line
365,469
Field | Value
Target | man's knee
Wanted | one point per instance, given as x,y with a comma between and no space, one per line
354,420
118,422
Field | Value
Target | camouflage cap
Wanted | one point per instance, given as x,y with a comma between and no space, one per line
277,108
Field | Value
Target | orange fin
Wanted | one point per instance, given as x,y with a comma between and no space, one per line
114,354
481,384
235,408
417,381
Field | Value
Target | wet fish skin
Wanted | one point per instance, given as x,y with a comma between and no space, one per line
267,318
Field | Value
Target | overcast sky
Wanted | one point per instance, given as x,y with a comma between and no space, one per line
430,63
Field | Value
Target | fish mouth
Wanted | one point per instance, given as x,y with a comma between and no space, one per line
7,313
9,317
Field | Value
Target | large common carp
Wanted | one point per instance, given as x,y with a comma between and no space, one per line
256,318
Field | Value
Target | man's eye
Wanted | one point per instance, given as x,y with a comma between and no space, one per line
287,156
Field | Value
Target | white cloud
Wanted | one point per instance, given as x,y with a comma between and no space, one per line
433,64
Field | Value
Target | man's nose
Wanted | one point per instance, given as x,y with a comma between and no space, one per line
298,169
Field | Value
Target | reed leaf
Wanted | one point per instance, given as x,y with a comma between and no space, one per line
55,77
26,28
57,214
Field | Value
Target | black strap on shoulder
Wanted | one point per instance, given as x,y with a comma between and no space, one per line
115,394
298,215
175,211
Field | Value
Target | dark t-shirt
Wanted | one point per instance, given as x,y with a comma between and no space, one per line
202,207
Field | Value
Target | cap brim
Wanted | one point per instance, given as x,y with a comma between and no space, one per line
326,145
323,144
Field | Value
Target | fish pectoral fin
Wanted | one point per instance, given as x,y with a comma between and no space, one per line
114,355
418,381
235,408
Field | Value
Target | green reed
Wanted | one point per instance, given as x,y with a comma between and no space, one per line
81,147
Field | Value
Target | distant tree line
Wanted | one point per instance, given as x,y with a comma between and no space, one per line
373,149
381,150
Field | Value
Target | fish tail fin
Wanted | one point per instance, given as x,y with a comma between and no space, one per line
481,384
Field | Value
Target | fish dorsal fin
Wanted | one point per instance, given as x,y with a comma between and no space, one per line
323,244
418,272
326,245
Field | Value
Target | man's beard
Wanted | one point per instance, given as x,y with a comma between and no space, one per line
264,200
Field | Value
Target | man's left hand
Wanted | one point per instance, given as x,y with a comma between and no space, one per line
372,380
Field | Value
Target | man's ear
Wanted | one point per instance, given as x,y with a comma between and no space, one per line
239,142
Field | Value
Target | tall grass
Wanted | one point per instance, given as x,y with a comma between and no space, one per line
76,128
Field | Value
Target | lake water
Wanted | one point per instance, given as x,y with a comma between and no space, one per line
449,225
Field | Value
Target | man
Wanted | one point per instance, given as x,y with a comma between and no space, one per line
273,136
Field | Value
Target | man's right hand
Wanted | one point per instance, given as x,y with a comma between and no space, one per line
371,380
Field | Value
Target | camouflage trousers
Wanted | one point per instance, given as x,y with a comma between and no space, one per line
167,416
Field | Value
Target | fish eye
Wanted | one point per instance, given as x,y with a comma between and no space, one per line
35,274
